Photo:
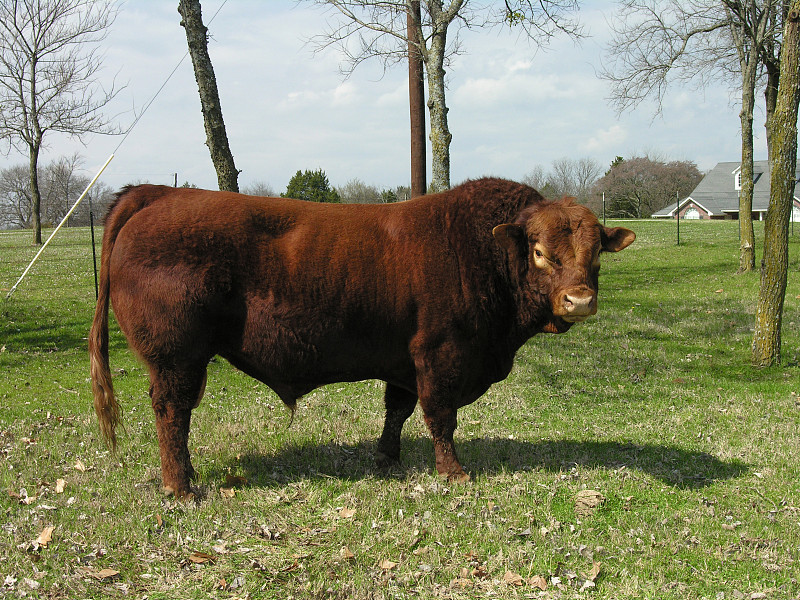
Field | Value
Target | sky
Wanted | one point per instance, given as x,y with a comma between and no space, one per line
512,106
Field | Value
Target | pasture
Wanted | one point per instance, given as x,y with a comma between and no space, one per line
637,456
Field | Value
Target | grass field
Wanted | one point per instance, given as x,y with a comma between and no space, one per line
637,456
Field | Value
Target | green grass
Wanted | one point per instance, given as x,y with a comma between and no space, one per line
652,403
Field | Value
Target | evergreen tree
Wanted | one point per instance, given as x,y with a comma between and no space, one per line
311,185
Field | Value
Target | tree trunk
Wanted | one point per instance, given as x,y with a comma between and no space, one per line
747,255
770,99
216,138
36,197
416,101
783,125
440,134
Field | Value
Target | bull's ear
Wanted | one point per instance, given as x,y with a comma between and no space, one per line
514,241
511,237
614,239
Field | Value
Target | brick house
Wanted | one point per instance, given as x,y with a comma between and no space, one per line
717,194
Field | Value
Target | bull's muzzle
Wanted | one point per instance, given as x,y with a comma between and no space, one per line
577,305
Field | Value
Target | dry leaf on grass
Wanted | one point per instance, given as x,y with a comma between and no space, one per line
221,547
594,572
45,537
346,554
102,574
60,485
227,492
538,581
79,466
201,558
479,572
347,513
387,565
22,497
513,579
586,501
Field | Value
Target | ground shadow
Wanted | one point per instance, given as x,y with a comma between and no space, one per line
677,467
23,334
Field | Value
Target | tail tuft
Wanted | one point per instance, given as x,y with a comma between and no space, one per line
108,410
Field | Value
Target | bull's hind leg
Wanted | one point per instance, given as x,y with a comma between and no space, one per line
400,404
174,393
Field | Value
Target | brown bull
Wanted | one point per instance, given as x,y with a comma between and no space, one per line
434,296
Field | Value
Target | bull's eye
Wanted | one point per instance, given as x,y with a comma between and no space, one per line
538,253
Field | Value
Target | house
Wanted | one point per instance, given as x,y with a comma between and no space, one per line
717,195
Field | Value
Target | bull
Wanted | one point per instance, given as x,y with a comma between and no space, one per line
433,296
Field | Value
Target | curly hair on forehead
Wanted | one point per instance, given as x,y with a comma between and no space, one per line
564,214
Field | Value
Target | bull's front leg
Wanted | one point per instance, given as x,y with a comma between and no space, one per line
441,421
400,405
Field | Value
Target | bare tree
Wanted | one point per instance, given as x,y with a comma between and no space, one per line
568,177
356,191
562,177
783,178
216,136
657,41
639,186
380,29
61,179
61,182
15,198
49,61
536,178
259,188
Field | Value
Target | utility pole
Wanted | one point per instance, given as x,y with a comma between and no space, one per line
604,209
416,101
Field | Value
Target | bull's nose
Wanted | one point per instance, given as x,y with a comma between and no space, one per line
578,307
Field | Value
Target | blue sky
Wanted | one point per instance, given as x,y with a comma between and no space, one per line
512,106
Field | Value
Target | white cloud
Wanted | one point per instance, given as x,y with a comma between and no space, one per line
345,94
606,138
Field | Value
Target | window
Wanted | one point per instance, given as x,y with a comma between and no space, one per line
691,213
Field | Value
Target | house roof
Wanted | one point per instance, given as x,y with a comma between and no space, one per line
717,192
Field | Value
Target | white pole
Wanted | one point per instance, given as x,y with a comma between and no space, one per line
55,231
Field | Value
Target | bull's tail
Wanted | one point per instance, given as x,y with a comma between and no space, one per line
109,413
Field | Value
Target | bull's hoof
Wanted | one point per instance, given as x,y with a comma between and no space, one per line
185,495
459,477
386,461
455,476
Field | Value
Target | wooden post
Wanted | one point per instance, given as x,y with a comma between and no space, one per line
416,101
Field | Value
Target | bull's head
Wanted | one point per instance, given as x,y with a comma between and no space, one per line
554,250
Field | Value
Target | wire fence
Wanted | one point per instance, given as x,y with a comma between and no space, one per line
68,260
